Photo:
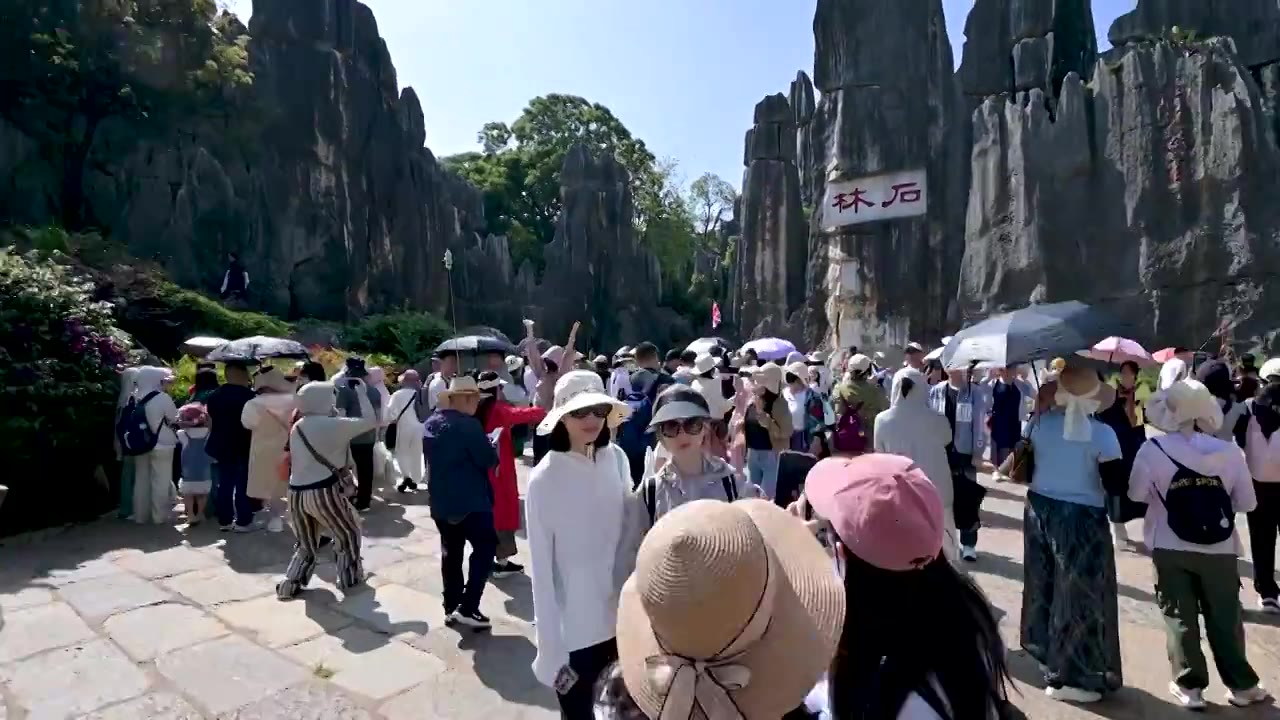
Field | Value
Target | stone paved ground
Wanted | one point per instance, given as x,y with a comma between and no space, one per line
112,621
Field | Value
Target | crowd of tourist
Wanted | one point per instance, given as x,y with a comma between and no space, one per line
723,536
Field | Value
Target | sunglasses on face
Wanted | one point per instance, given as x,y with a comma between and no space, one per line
673,428
600,411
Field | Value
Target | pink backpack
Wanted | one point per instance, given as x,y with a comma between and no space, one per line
850,438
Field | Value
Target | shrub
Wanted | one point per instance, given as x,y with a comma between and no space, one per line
161,315
59,354
409,336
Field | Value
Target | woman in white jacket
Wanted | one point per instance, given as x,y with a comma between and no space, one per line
402,411
267,417
912,429
153,491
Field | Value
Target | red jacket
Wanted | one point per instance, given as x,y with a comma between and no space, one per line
506,493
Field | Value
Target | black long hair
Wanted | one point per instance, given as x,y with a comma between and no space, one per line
903,630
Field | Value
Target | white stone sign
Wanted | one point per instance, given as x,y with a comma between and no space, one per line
875,197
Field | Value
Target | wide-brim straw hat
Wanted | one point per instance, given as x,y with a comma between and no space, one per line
1084,383
747,606
577,390
769,376
1183,402
461,385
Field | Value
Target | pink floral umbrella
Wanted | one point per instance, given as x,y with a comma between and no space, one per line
1119,350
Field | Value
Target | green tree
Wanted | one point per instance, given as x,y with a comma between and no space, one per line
711,199
68,66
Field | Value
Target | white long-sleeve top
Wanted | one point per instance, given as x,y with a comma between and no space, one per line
574,511
331,437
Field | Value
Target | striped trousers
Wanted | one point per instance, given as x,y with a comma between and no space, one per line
310,511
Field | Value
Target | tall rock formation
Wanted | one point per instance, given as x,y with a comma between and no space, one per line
769,274
1148,189
889,102
803,105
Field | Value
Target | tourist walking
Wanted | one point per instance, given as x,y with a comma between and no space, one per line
403,412
320,483
197,466
920,640
1215,375
362,446
1122,416
575,509
462,502
856,402
1262,452
267,418
1070,616
964,404
912,429
805,405
1009,394
1194,484
546,369
767,426
229,444
235,281
743,629
646,383
153,488
498,415
128,463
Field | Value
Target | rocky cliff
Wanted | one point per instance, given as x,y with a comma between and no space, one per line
334,203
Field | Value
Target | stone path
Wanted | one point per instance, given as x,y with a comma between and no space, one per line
112,621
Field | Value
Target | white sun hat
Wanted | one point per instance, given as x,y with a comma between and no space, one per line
577,390
705,364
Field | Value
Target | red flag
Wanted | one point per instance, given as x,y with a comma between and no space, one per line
715,315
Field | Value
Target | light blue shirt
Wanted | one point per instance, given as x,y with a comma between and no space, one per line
1066,470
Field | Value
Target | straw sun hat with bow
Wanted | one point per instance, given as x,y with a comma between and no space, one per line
578,390
733,612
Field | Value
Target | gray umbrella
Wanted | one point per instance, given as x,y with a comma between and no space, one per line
1035,332
258,348
475,344
484,331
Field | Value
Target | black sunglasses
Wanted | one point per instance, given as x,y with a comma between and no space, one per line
690,426
600,411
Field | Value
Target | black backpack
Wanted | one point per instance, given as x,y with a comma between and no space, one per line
135,434
1198,506
651,495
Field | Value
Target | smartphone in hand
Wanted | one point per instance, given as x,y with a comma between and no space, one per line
493,436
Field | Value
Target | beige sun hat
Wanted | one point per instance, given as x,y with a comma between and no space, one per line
1185,401
733,612
577,390
705,363
769,376
859,363
460,385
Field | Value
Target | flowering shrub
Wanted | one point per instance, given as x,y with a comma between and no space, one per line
59,353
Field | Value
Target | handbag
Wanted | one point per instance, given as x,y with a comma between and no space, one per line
346,478
1020,466
390,439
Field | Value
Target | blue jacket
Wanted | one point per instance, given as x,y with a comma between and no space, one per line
460,457
969,437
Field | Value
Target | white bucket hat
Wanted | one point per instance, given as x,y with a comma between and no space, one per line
705,363
514,363
1269,368
577,390
860,363
1184,401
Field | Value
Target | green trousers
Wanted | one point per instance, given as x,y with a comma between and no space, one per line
1191,584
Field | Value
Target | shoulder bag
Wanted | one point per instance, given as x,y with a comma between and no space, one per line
346,478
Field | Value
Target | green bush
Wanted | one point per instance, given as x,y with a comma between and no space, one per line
408,336
161,315
59,354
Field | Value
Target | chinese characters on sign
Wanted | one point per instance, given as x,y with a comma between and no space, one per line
877,197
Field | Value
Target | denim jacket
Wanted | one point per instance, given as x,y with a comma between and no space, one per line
969,437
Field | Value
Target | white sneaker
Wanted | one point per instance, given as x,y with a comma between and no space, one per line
1245,698
1270,606
1191,699
968,553
1072,695
275,524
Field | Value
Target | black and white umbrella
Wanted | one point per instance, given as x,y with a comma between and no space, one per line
485,331
475,344
704,345
258,348
1035,332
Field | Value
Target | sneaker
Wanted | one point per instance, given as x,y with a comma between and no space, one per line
1245,698
506,569
449,619
1269,605
968,553
407,487
226,528
1072,695
474,619
1189,698
275,524
244,528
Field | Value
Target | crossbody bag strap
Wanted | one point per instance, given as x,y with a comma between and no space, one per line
315,454
405,409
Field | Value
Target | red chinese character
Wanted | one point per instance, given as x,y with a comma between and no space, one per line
907,192
844,201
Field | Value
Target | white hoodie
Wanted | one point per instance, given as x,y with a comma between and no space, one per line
912,429
161,408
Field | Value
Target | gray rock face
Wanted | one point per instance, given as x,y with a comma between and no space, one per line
1018,45
769,272
1150,188
804,106
1254,25
889,102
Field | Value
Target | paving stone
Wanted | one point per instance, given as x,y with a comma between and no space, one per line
219,585
366,662
313,701
418,573
278,624
376,557
36,629
167,563
88,570
228,673
158,706
73,681
148,632
104,596
21,598
463,696
394,609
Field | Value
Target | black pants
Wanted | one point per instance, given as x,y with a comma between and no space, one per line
363,457
541,446
476,529
1264,525
588,663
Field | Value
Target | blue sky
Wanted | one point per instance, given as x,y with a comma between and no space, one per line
683,75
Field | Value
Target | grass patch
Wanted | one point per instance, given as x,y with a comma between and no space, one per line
322,671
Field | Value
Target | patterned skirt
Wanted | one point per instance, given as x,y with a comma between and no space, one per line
1070,612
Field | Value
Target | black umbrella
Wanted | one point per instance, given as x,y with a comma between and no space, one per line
1035,332
475,344
258,348
485,331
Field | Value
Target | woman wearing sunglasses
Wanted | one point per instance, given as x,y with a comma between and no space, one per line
575,510
691,471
